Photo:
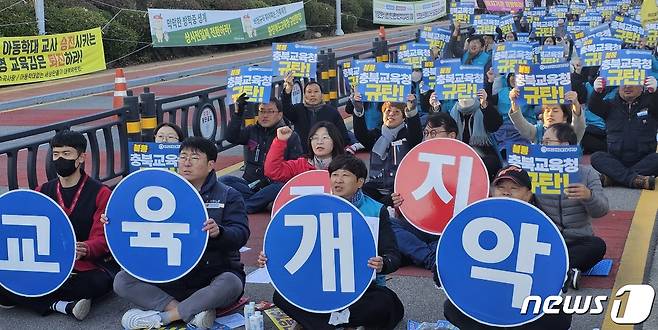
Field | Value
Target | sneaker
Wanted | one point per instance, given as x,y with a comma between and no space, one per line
606,181
203,320
139,319
575,278
79,309
644,182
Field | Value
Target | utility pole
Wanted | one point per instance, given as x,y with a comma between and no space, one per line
339,29
40,14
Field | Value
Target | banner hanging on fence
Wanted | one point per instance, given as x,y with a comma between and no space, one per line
543,84
381,82
175,27
301,60
41,58
593,49
507,56
455,81
551,168
414,54
254,81
504,5
407,13
626,67
153,155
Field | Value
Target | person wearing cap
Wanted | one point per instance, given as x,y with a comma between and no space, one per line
512,182
572,212
476,54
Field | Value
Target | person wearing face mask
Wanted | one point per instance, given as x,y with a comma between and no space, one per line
389,144
379,307
167,133
312,110
83,199
476,118
572,212
324,144
256,189
631,120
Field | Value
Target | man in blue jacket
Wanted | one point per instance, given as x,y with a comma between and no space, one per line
218,279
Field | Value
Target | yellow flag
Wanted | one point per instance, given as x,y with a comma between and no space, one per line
649,11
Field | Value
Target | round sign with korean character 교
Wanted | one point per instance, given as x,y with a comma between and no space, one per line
317,249
495,254
37,244
437,179
155,225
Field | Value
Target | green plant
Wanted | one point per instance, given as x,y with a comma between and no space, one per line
320,15
19,20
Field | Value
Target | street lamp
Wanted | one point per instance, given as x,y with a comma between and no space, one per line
339,30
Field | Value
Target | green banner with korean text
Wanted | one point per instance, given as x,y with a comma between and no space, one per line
176,28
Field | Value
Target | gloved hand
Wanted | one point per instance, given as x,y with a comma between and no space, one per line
650,84
599,85
241,103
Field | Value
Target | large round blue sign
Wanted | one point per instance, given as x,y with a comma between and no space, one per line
37,244
318,248
497,252
155,225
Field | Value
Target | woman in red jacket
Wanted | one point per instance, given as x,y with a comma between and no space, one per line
324,143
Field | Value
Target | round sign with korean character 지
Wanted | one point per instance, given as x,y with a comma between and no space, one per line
155,225
497,252
317,249
37,244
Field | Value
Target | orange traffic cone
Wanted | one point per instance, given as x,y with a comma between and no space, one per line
382,33
119,88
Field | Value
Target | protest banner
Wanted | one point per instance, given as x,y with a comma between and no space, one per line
155,221
301,60
307,183
48,57
535,14
545,27
627,29
38,242
626,67
414,54
407,13
462,12
153,155
652,33
592,18
577,8
501,250
551,54
351,72
543,84
437,179
506,24
429,76
504,5
559,11
523,36
575,27
254,81
602,30
455,81
551,168
435,37
591,53
649,11
381,82
485,24
300,246
176,27
606,10
508,55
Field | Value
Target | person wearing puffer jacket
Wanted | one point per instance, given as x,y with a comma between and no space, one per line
573,211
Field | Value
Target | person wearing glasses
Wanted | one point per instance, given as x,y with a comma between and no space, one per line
257,189
400,132
167,133
325,142
417,247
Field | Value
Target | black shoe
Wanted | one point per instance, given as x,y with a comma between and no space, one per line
6,303
435,277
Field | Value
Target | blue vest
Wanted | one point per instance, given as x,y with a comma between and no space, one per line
371,208
482,59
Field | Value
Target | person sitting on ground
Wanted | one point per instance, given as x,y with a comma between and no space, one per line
400,132
476,119
573,211
256,188
551,114
324,143
418,247
511,182
313,109
83,198
379,307
167,133
217,281
631,120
